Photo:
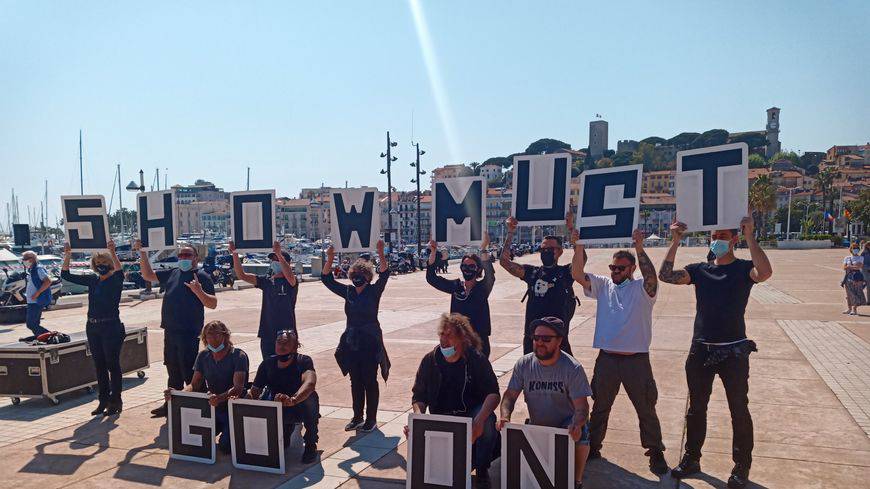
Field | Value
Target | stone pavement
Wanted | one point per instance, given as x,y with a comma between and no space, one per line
808,390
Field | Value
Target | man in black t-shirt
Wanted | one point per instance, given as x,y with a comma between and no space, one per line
550,287
456,379
719,343
188,291
279,286
290,379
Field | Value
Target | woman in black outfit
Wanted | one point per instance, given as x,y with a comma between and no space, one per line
470,295
361,350
104,328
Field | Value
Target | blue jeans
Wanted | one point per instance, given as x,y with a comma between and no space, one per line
222,427
483,450
34,316
306,412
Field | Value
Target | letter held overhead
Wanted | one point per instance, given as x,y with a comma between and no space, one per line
85,222
712,187
459,210
158,225
541,186
356,219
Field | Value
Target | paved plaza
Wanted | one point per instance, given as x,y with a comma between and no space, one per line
809,390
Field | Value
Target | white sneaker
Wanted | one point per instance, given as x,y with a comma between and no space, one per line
846,312
853,313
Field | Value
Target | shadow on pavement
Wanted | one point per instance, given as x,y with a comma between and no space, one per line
69,464
37,408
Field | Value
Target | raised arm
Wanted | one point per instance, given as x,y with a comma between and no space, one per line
650,282
504,260
578,262
383,264
432,278
762,270
116,263
667,273
144,264
79,279
286,269
241,274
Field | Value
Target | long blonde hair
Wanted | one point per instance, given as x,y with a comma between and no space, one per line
217,327
101,257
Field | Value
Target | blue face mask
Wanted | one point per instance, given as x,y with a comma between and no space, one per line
623,284
215,349
185,265
719,247
276,267
448,351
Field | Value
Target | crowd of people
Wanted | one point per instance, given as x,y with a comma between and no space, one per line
456,377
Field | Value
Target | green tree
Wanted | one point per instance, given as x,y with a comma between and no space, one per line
644,155
622,159
683,139
475,167
129,218
546,146
604,163
825,185
755,139
787,155
654,140
757,161
503,161
762,200
713,137
860,208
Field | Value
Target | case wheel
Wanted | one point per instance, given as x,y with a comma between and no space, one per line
140,374
52,400
16,401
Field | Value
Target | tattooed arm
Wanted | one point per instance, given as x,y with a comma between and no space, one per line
581,415
504,260
508,401
647,269
667,273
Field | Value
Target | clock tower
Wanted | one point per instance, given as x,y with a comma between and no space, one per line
773,145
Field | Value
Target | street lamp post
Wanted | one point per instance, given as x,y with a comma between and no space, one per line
417,181
388,172
788,219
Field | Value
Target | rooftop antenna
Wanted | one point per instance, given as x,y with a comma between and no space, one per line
248,185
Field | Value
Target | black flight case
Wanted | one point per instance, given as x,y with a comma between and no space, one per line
50,370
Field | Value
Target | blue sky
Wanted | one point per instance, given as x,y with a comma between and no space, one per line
303,92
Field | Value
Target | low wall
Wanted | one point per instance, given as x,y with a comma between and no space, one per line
801,244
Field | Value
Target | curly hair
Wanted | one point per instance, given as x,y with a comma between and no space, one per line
217,327
364,267
101,257
460,327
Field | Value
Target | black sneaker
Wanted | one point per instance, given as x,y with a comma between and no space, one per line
310,453
160,412
688,465
657,463
368,426
100,408
113,409
578,485
481,479
593,455
27,339
739,477
355,423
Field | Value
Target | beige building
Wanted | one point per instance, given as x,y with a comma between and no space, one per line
190,216
291,216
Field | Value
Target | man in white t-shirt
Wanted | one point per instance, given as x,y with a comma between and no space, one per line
623,331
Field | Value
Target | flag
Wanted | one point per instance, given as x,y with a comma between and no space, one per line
829,217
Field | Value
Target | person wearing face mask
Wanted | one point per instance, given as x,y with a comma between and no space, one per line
719,342
361,349
221,370
853,282
188,291
278,309
104,329
865,269
290,379
456,379
550,287
38,294
623,332
469,296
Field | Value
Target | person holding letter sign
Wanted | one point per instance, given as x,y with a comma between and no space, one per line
456,379
623,332
361,349
550,287
189,290
221,370
290,379
469,296
278,309
555,388
719,343
104,328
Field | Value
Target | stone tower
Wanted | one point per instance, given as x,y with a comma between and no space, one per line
773,145
597,138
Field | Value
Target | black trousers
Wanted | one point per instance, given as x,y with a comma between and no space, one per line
179,354
306,412
635,374
105,341
484,345
527,345
364,389
734,373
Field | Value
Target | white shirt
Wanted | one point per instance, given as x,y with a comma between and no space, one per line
855,261
30,288
623,321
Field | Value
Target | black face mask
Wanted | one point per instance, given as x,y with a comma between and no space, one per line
284,358
103,269
548,257
358,280
468,272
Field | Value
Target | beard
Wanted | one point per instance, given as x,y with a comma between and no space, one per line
543,354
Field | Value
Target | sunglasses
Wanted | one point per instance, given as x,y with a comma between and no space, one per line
617,268
543,338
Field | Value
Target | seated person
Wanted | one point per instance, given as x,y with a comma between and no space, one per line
290,379
221,370
456,379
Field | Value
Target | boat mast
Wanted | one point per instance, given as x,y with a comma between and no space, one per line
81,166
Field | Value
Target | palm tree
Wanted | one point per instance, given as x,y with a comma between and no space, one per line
825,185
762,200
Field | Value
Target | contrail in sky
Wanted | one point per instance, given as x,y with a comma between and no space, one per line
435,83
